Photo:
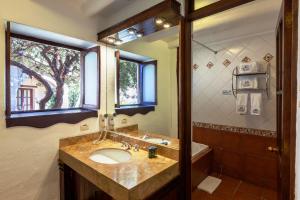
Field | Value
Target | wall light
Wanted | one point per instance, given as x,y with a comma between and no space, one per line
159,20
167,25
139,35
118,42
131,31
111,40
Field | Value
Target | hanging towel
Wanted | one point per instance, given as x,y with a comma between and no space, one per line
244,68
241,103
248,83
256,101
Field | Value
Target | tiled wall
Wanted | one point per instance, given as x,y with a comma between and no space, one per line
212,75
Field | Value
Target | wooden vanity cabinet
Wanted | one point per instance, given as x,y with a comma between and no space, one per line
75,187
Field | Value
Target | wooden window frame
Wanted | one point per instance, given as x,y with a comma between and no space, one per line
46,118
142,107
20,99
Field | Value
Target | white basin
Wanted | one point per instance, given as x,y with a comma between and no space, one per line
157,140
110,156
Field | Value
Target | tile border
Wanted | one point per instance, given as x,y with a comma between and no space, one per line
234,129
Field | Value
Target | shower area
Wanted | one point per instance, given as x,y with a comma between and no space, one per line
234,103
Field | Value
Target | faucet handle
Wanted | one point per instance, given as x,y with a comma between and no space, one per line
124,144
136,147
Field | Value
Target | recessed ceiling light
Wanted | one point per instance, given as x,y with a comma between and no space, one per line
111,40
139,35
167,25
159,20
118,42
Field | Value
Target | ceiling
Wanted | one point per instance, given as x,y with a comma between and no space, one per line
245,14
201,3
86,8
104,8
257,16
50,36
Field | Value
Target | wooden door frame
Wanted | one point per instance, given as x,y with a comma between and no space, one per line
289,92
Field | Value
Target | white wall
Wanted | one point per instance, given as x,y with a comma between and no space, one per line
28,167
208,102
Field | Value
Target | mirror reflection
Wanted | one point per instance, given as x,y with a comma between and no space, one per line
142,73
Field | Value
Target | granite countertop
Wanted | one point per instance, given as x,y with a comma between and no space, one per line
135,179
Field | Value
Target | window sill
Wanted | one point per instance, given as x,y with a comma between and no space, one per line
132,110
48,118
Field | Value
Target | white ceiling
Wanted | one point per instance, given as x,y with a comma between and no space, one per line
104,8
251,18
133,56
50,36
255,17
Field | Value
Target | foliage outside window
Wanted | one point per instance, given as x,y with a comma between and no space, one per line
129,84
136,86
50,73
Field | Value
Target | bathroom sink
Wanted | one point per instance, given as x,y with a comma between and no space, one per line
156,140
110,156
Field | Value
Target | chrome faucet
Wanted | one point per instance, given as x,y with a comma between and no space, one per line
136,147
126,145
102,129
97,141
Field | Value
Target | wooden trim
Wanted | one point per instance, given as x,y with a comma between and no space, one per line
140,17
34,39
7,70
185,105
132,110
293,113
49,118
28,86
290,54
215,8
177,79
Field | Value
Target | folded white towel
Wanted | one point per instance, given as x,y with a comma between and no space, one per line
249,82
256,100
244,68
241,103
209,184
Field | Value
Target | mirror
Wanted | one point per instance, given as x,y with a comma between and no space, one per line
141,62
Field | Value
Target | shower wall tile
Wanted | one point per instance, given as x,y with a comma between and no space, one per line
209,105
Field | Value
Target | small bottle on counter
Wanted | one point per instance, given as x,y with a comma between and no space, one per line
152,152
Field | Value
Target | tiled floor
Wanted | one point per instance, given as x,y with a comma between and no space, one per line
233,189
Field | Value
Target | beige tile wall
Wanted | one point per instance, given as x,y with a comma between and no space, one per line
209,104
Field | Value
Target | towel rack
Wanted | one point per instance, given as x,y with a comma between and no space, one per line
236,76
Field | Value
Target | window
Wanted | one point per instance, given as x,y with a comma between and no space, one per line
25,99
136,86
49,78
129,82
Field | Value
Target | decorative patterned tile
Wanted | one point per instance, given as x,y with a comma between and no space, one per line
210,65
249,131
246,59
226,62
195,66
268,57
